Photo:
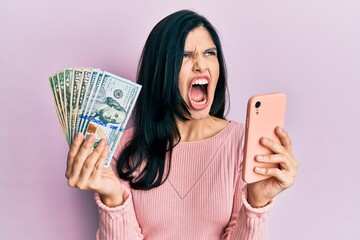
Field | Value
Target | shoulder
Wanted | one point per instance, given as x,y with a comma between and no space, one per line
234,143
233,135
236,129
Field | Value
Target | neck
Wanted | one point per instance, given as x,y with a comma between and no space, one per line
199,129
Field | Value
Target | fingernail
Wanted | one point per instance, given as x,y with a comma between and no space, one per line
259,157
101,143
77,136
90,137
265,140
280,130
258,169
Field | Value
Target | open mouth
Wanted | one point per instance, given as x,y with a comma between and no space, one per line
199,93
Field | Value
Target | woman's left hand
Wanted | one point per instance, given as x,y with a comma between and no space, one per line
262,192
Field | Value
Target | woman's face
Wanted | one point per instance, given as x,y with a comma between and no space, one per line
111,115
199,72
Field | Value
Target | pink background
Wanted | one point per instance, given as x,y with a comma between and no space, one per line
309,49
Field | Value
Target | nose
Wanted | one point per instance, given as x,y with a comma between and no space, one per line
199,63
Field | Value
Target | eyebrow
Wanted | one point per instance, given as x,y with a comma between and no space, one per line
206,50
211,49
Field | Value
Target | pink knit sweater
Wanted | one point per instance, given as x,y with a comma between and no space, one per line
203,198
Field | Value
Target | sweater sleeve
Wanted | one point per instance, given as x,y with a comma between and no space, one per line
118,223
246,222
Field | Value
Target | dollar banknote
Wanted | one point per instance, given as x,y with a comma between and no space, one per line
61,89
82,93
111,109
93,101
56,92
68,79
75,93
86,102
53,86
95,83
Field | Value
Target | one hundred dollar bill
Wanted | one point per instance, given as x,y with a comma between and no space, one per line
92,100
62,100
67,99
82,94
56,102
87,103
111,110
75,93
56,90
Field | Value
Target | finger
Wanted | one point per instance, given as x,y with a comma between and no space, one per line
275,147
80,158
100,164
281,176
284,138
87,147
90,162
74,149
285,161
272,158
286,142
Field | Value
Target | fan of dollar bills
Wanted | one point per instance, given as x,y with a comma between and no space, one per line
93,101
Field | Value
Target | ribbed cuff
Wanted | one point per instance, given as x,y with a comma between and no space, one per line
255,212
117,211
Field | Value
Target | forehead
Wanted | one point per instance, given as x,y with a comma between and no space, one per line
199,38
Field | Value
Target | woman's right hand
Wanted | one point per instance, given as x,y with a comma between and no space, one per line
86,171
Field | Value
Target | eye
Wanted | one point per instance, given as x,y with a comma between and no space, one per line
187,54
210,52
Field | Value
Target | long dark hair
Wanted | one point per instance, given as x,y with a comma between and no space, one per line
160,103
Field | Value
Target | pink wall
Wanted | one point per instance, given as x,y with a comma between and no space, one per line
309,49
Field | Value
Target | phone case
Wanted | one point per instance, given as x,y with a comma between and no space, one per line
264,113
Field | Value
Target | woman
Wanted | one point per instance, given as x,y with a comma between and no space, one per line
179,168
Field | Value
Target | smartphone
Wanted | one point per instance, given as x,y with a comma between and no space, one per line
264,113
